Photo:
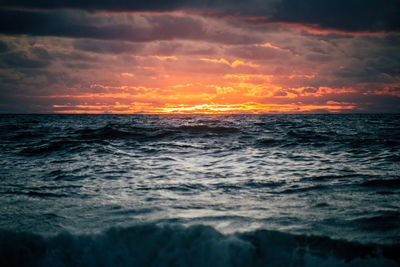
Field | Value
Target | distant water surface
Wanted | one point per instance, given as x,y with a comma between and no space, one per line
288,181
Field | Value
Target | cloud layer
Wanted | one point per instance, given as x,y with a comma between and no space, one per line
355,15
214,56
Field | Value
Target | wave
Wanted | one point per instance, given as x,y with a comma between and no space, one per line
270,142
65,145
69,137
174,245
143,134
379,221
207,129
108,132
35,194
307,135
388,183
25,136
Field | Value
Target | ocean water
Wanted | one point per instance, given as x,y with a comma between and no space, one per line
200,190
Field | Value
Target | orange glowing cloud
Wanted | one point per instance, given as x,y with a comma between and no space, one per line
234,64
181,61
126,74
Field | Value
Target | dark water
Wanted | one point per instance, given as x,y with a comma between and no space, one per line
200,190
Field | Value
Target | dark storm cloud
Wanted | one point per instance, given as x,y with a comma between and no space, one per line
79,66
98,46
389,66
41,53
3,47
373,103
79,24
371,59
346,15
75,56
37,82
222,6
354,15
21,59
115,5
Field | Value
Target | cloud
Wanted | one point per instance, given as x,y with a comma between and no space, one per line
105,47
22,59
126,27
53,56
319,57
370,60
257,52
280,93
355,15
310,90
116,5
228,6
3,47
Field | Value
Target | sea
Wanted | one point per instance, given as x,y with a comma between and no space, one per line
200,190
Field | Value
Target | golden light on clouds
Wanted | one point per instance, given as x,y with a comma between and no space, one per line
182,61
234,63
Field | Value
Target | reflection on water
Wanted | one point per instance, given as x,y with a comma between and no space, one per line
326,175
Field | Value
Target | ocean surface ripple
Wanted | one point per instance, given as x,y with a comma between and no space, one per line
310,184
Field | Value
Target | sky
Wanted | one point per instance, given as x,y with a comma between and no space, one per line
193,56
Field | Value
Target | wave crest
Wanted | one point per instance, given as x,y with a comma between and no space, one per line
152,245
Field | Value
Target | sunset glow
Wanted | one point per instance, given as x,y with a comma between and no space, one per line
188,60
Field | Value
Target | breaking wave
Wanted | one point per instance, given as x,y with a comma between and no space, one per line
172,245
